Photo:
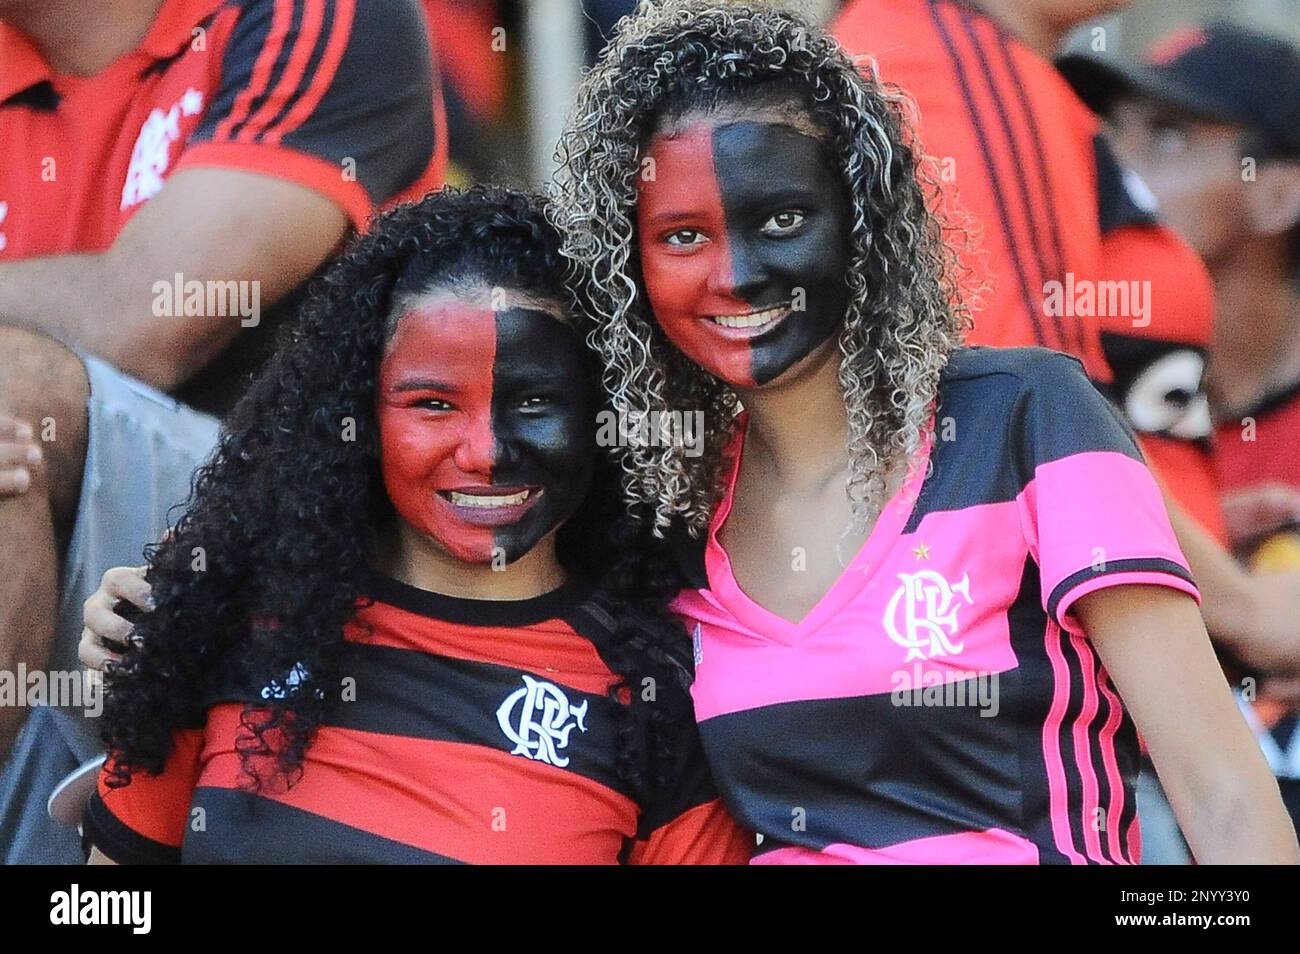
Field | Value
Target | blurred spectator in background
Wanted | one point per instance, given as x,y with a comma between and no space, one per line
1014,149
474,61
1158,357
500,61
1210,120
171,172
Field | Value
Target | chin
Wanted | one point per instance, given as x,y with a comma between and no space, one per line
806,366
468,556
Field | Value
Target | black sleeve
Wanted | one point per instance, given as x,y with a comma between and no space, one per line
347,82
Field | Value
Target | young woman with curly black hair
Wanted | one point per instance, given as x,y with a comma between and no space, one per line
919,565
402,618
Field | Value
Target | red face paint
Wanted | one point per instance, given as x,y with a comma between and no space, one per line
744,245
477,408
435,423
688,278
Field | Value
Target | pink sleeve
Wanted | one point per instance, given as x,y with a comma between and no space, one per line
1096,519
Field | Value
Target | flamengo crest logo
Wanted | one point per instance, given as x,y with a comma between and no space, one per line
152,152
538,720
922,614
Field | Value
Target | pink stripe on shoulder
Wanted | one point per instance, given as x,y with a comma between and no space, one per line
992,847
1092,509
1101,498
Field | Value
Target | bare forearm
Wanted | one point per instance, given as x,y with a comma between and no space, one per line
34,294
105,306
64,296
240,239
1256,616
1240,819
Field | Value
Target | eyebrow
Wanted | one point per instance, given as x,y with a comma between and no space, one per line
785,196
675,217
423,384
771,202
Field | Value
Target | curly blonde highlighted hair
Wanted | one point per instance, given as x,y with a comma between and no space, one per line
672,58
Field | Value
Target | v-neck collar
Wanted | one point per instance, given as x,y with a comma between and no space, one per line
851,581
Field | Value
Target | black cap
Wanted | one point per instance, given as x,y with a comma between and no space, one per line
1218,70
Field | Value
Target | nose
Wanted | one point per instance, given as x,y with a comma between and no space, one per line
741,273
507,452
476,453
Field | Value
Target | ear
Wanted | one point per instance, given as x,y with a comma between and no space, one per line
1273,199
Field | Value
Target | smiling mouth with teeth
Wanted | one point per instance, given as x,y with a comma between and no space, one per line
753,319
488,501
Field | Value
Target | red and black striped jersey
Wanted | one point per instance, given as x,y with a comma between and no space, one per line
465,731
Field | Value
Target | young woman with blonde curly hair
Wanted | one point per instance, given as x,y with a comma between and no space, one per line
923,575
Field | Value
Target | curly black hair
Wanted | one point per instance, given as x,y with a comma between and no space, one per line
268,561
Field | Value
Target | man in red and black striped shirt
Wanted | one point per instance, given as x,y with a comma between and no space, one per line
172,172
1014,147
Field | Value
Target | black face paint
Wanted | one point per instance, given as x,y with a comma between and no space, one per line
544,403
744,246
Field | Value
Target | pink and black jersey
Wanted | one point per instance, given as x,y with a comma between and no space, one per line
940,703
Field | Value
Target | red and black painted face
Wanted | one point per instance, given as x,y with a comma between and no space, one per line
486,426
744,246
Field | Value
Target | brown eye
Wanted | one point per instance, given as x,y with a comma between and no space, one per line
783,223
433,404
684,238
